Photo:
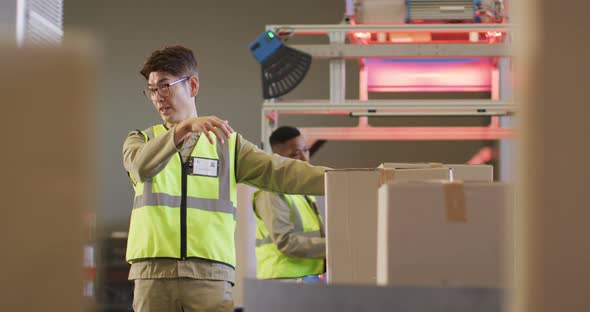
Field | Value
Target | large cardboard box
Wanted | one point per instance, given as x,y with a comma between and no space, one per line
351,219
433,234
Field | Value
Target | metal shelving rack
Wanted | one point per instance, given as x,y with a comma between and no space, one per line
337,51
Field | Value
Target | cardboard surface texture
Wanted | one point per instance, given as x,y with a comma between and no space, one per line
437,234
42,229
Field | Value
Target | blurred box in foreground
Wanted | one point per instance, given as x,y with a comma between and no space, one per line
48,95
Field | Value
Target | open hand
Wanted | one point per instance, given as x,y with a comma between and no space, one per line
204,125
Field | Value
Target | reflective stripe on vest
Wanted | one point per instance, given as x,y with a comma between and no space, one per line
160,199
272,263
163,219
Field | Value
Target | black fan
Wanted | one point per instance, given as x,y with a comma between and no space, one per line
283,71
283,68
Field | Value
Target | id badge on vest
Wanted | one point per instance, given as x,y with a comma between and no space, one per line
205,167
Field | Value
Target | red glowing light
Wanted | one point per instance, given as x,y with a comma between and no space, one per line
363,35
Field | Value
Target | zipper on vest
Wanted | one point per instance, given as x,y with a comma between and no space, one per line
184,166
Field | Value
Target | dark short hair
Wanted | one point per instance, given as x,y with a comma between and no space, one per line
176,60
283,134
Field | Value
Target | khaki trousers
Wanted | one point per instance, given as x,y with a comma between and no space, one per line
182,294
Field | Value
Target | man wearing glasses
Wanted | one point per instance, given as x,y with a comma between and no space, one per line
184,173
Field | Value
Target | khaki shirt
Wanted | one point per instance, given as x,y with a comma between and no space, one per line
254,167
275,212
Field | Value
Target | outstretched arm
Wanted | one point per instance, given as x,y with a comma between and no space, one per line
275,173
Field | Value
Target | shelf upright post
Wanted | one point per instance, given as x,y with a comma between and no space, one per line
337,70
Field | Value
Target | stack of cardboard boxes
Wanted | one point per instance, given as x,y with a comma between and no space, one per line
416,225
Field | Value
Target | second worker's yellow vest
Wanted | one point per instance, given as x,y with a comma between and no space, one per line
272,263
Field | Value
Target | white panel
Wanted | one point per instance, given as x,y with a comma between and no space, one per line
43,22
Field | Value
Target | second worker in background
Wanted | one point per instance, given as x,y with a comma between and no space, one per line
290,239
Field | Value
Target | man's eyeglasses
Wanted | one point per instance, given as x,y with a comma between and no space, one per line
163,90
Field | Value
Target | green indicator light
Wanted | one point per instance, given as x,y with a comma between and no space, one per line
270,34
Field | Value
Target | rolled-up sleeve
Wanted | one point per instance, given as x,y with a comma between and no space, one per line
144,159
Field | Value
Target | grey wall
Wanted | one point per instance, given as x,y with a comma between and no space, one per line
8,20
219,33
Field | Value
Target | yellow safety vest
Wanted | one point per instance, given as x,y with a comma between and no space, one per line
272,263
187,210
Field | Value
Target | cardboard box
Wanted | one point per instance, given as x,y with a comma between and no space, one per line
463,172
411,165
433,234
351,219
380,11
479,173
